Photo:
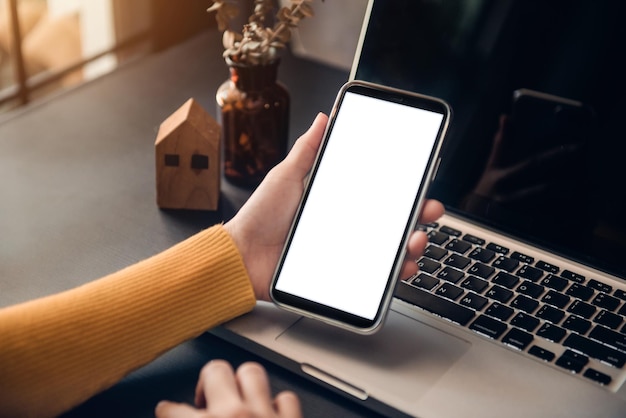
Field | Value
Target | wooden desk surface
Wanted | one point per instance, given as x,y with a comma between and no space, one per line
77,200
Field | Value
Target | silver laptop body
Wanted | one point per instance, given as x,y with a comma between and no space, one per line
423,363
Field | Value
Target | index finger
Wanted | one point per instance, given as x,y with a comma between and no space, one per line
217,385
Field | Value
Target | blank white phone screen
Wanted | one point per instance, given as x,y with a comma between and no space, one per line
347,237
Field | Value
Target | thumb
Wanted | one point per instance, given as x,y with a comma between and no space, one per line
304,151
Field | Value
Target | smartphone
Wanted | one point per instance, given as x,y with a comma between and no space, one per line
347,243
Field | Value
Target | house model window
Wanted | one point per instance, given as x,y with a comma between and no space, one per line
199,162
172,160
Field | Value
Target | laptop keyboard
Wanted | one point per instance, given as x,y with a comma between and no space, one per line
556,315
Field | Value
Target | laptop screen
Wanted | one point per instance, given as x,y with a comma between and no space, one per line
537,144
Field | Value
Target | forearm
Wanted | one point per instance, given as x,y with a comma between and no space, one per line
58,351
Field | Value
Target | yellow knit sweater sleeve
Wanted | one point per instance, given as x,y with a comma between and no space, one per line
58,351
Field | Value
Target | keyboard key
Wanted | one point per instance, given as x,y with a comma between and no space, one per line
473,239
550,313
505,263
481,254
525,322
474,301
620,294
551,332
499,293
554,282
488,326
605,301
437,237
458,246
451,275
530,289
435,253
580,291
556,299
517,338
542,353
609,337
497,248
424,281
597,376
531,273
425,227
577,324
582,309
449,291
524,303
572,361
457,261
427,265
450,231
434,304
505,279
545,266
499,311
608,319
575,277
602,287
481,270
475,284
522,257
595,350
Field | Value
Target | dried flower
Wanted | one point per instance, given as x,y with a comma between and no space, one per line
258,43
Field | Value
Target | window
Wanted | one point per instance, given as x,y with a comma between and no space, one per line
46,45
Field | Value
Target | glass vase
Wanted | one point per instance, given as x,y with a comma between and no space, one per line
254,113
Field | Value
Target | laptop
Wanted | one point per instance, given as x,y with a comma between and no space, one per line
519,308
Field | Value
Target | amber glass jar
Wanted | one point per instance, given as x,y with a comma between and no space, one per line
254,113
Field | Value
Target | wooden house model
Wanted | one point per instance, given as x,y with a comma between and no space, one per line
187,152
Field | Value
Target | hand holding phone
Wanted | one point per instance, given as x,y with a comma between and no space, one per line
348,239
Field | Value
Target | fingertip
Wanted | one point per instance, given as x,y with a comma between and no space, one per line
287,404
417,243
433,210
216,376
420,237
305,149
321,117
251,367
167,409
161,409
221,365
319,123
287,396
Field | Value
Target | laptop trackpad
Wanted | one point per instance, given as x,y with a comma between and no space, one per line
403,360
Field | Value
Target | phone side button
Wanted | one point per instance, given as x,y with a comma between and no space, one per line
434,304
